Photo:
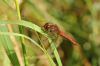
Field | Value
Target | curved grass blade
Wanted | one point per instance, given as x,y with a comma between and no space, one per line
21,35
37,29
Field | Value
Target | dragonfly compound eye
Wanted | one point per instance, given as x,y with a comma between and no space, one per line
51,28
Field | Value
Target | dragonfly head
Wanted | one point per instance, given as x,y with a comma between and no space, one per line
53,28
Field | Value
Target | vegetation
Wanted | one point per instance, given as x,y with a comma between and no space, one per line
25,42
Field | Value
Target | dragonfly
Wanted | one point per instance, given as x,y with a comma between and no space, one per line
53,28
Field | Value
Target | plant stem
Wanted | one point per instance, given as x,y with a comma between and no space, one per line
18,9
20,29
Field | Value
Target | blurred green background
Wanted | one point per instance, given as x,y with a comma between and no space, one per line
80,19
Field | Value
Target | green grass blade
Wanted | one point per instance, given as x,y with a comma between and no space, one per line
21,35
7,44
38,29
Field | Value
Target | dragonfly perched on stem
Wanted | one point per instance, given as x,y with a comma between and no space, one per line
53,28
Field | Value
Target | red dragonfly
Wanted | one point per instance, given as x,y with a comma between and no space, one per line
53,28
